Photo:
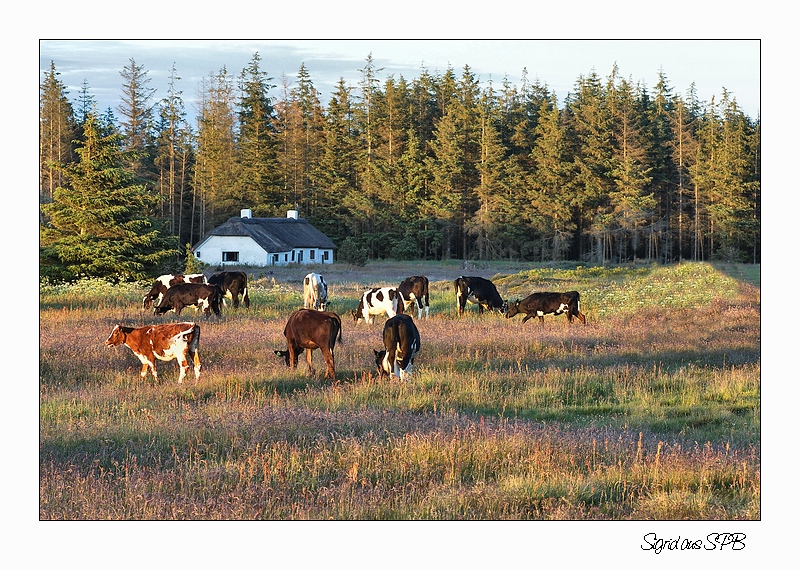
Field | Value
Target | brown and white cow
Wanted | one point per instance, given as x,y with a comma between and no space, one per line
415,290
310,329
378,301
233,284
478,291
163,342
165,282
315,292
548,303
204,296
402,342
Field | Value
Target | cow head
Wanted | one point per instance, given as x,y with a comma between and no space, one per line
283,354
511,309
384,367
116,338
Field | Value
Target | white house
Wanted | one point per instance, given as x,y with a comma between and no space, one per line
262,242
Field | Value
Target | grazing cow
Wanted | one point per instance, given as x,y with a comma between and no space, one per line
232,283
204,296
479,291
165,282
378,301
402,342
165,342
315,292
415,290
309,329
541,304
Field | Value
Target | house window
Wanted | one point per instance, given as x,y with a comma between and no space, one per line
274,258
325,256
300,256
292,255
312,253
197,254
230,256
286,257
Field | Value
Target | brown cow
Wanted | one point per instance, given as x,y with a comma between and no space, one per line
165,342
309,329
164,282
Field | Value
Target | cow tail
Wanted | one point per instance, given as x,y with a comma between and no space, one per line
195,342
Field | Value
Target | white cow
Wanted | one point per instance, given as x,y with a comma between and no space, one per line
378,301
315,292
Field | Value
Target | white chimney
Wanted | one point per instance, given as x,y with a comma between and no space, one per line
292,214
247,213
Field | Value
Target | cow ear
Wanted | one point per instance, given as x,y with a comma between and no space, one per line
377,352
278,353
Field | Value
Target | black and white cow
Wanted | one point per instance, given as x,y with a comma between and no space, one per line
479,291
205,296
415,290
402,343
315,292
164,282
232,283
548,303
378,301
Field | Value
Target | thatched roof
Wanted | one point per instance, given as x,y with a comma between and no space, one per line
275,234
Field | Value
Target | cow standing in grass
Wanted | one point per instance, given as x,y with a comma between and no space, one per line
232,284
415,290
478,291
310,329
206,297
402,342
548,303
315,292
164,282
163,342
378,301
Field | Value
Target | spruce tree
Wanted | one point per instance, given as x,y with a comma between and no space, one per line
96,226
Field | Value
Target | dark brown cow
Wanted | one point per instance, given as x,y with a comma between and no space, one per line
204,296
415,290
309,329
232,283
478,291
402,342
165,342
548,303
164,282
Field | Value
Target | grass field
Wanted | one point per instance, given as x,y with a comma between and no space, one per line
651,411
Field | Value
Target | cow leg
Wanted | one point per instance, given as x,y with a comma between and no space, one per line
330,367
183,365
309,356
525,318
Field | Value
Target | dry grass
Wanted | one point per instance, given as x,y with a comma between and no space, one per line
650,412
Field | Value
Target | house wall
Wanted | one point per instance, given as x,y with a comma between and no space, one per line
250,253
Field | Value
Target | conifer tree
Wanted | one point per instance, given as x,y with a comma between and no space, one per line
96,226
57,131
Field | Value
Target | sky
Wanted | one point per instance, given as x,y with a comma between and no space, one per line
712,65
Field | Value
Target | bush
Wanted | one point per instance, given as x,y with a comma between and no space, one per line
352,252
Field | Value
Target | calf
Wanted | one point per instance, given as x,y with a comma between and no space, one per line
402,342
541,304
479,291
165,342
203,296
315,292
232,283
165,282
310,329
378,301
415,290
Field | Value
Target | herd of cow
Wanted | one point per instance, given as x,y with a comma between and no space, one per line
314,327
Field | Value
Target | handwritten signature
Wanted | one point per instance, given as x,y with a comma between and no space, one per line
712,541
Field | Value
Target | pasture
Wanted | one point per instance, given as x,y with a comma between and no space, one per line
651,411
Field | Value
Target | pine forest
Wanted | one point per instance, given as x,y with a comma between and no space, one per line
439,166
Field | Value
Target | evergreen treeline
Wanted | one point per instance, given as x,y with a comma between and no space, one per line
434,168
